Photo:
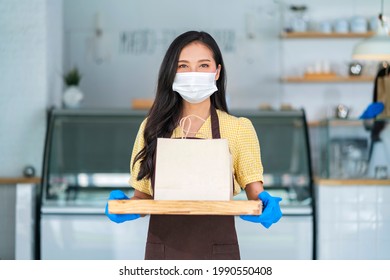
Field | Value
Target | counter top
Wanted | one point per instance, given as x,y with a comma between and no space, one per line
19,180
351,182
317,181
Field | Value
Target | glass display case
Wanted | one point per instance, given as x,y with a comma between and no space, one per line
87,155
285,154
352,149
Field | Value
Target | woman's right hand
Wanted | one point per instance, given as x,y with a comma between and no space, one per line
119,218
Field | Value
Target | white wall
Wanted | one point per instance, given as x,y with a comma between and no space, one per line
27,79
254,65
55,51
31,56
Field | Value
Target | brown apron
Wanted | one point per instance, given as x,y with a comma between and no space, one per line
193,237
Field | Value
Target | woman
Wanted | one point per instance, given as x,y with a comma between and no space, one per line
191,86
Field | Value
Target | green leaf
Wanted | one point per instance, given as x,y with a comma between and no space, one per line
73,77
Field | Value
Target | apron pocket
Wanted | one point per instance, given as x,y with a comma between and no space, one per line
154,251
226,252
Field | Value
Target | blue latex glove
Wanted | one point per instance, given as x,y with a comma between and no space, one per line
119,218
373,110
271,211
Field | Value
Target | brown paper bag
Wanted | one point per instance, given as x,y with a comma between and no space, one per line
193,169
383,91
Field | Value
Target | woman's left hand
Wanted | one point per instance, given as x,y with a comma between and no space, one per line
271,211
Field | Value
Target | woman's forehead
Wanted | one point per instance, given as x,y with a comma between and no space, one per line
196,51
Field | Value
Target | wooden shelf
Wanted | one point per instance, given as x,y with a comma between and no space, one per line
330,79
308,35
351,182
141,103
19,180
336,122
185,207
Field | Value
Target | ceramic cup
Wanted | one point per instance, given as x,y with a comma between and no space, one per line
358,24
341,26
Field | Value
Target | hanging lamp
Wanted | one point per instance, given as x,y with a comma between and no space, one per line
376,47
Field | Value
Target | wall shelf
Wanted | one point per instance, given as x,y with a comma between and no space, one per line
351,182
337,122
308,35
330,79
19,180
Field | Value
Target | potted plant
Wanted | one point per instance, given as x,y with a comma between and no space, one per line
72,94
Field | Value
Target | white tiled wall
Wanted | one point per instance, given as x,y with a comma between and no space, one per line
353,222
30,72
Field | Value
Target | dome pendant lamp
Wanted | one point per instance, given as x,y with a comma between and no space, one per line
376,47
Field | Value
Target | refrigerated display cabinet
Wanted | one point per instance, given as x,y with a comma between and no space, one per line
285,154
87,155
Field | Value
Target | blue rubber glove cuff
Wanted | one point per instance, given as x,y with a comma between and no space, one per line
373,110
119,218
271,211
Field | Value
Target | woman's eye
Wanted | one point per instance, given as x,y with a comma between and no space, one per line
204,65
182,66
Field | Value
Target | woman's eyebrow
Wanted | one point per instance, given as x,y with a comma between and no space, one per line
201,60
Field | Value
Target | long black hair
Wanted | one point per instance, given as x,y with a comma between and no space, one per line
164,114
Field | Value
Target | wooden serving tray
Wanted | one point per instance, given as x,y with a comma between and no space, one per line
185,207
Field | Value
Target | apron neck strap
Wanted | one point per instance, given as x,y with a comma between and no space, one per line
214,123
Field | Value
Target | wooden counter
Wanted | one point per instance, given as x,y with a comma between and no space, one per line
19,180
351,182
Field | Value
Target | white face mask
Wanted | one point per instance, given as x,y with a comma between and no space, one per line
195,87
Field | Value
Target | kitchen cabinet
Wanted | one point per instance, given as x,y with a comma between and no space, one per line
353,219
87,155
17,208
